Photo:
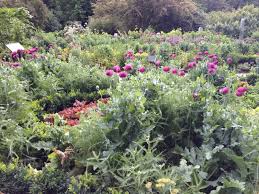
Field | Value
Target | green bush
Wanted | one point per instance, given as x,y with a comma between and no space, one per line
15,25
228,23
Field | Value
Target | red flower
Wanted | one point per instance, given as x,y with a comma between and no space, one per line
72,122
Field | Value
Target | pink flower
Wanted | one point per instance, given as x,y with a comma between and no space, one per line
215,58
173,56
198,58
158,63
211,56
109,73
128,67
195,95
229,60
199,53
123,74
212,71
224,90
174,71
166,69
140,51
32,50
181,73
116,69
130,55
191,65
142,69
206,52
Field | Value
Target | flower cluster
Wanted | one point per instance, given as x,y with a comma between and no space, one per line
130,55
19,54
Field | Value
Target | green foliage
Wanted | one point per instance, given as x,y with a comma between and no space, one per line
111,16
15,25
89,137
229,22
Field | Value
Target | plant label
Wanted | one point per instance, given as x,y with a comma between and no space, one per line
14,47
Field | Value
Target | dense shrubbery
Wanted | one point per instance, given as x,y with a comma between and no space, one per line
15,25
229,22
111,16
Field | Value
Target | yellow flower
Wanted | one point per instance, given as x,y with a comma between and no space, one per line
137,54
175,191
166,181
144,54
148,185
159,185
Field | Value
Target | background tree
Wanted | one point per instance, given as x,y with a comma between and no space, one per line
161,15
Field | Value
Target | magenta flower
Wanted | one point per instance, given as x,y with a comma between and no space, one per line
216,62
116,68
174,71
206,52
212,71
109,73
140,51
224,90
229,60
32,50
242,89
123,74
239,93
128,67
166,69
212,66
199,53
181,73
142,69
